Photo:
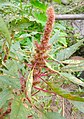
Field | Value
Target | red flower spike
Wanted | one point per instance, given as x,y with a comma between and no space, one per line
49,25
41,49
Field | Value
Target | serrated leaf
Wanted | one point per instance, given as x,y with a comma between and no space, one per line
67,52
29,84
4,31
72,78
18,109
65,93
4,96
52,115
78,105
38,5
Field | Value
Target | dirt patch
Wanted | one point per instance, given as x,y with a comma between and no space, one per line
67,110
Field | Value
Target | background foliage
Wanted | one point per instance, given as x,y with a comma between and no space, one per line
21,23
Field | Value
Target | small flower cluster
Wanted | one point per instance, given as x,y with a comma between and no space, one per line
42,48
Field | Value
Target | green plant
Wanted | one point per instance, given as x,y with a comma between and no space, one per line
30,75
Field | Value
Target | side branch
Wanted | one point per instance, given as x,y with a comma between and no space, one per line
69,17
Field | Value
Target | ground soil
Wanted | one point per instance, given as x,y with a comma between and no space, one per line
67,109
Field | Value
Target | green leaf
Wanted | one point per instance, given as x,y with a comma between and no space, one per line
59,62
55,37
49,66
63,41
52,115
11,68
74,67
20,23
65,93
40,17
60,27
25,35
2,1
63,34
29,84
72,78
62,38
66,75
10,81
19,110
78,105
4,31
58,1
72,62
17,53
39,5
67,52
4,96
